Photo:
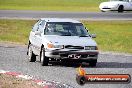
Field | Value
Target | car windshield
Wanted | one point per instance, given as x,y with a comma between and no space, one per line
120,0
65,29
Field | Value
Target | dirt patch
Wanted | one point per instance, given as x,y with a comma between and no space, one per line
7,81
11,44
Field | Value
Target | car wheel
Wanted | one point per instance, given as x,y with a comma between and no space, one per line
120,9
44,60
32,56
92,63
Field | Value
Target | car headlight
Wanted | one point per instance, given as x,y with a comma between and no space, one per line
55,46
91,48
50,45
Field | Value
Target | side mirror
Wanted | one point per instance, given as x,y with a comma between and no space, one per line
37,33
93,35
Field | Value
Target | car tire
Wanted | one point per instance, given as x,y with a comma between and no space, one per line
44,60
92,63
32,56
120,9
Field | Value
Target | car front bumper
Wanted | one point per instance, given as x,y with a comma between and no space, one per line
108,9
72,54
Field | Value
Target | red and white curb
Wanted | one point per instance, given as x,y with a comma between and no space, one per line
44,84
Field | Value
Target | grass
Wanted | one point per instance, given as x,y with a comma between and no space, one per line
111,35
51,5
15,30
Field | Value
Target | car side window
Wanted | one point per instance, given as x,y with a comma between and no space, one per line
35,27
41,26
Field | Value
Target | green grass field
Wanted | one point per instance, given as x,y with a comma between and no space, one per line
111,35
15,30
51,5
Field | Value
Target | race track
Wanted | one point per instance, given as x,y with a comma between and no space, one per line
23,14
14,58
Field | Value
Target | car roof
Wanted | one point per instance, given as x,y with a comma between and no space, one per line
60,20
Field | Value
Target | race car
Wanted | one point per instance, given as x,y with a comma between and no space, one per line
116,5
66,40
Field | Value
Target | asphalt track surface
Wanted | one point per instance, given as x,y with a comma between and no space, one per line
14,58
23,14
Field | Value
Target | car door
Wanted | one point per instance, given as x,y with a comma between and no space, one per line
38,36
130,3
32,33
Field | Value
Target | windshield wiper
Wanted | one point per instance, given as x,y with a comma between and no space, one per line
83,36
66,35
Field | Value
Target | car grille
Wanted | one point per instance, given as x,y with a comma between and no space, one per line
65,55
73,47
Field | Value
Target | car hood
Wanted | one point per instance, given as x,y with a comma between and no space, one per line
71,40
111,3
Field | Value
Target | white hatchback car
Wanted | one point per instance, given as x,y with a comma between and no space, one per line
116,5
61,39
